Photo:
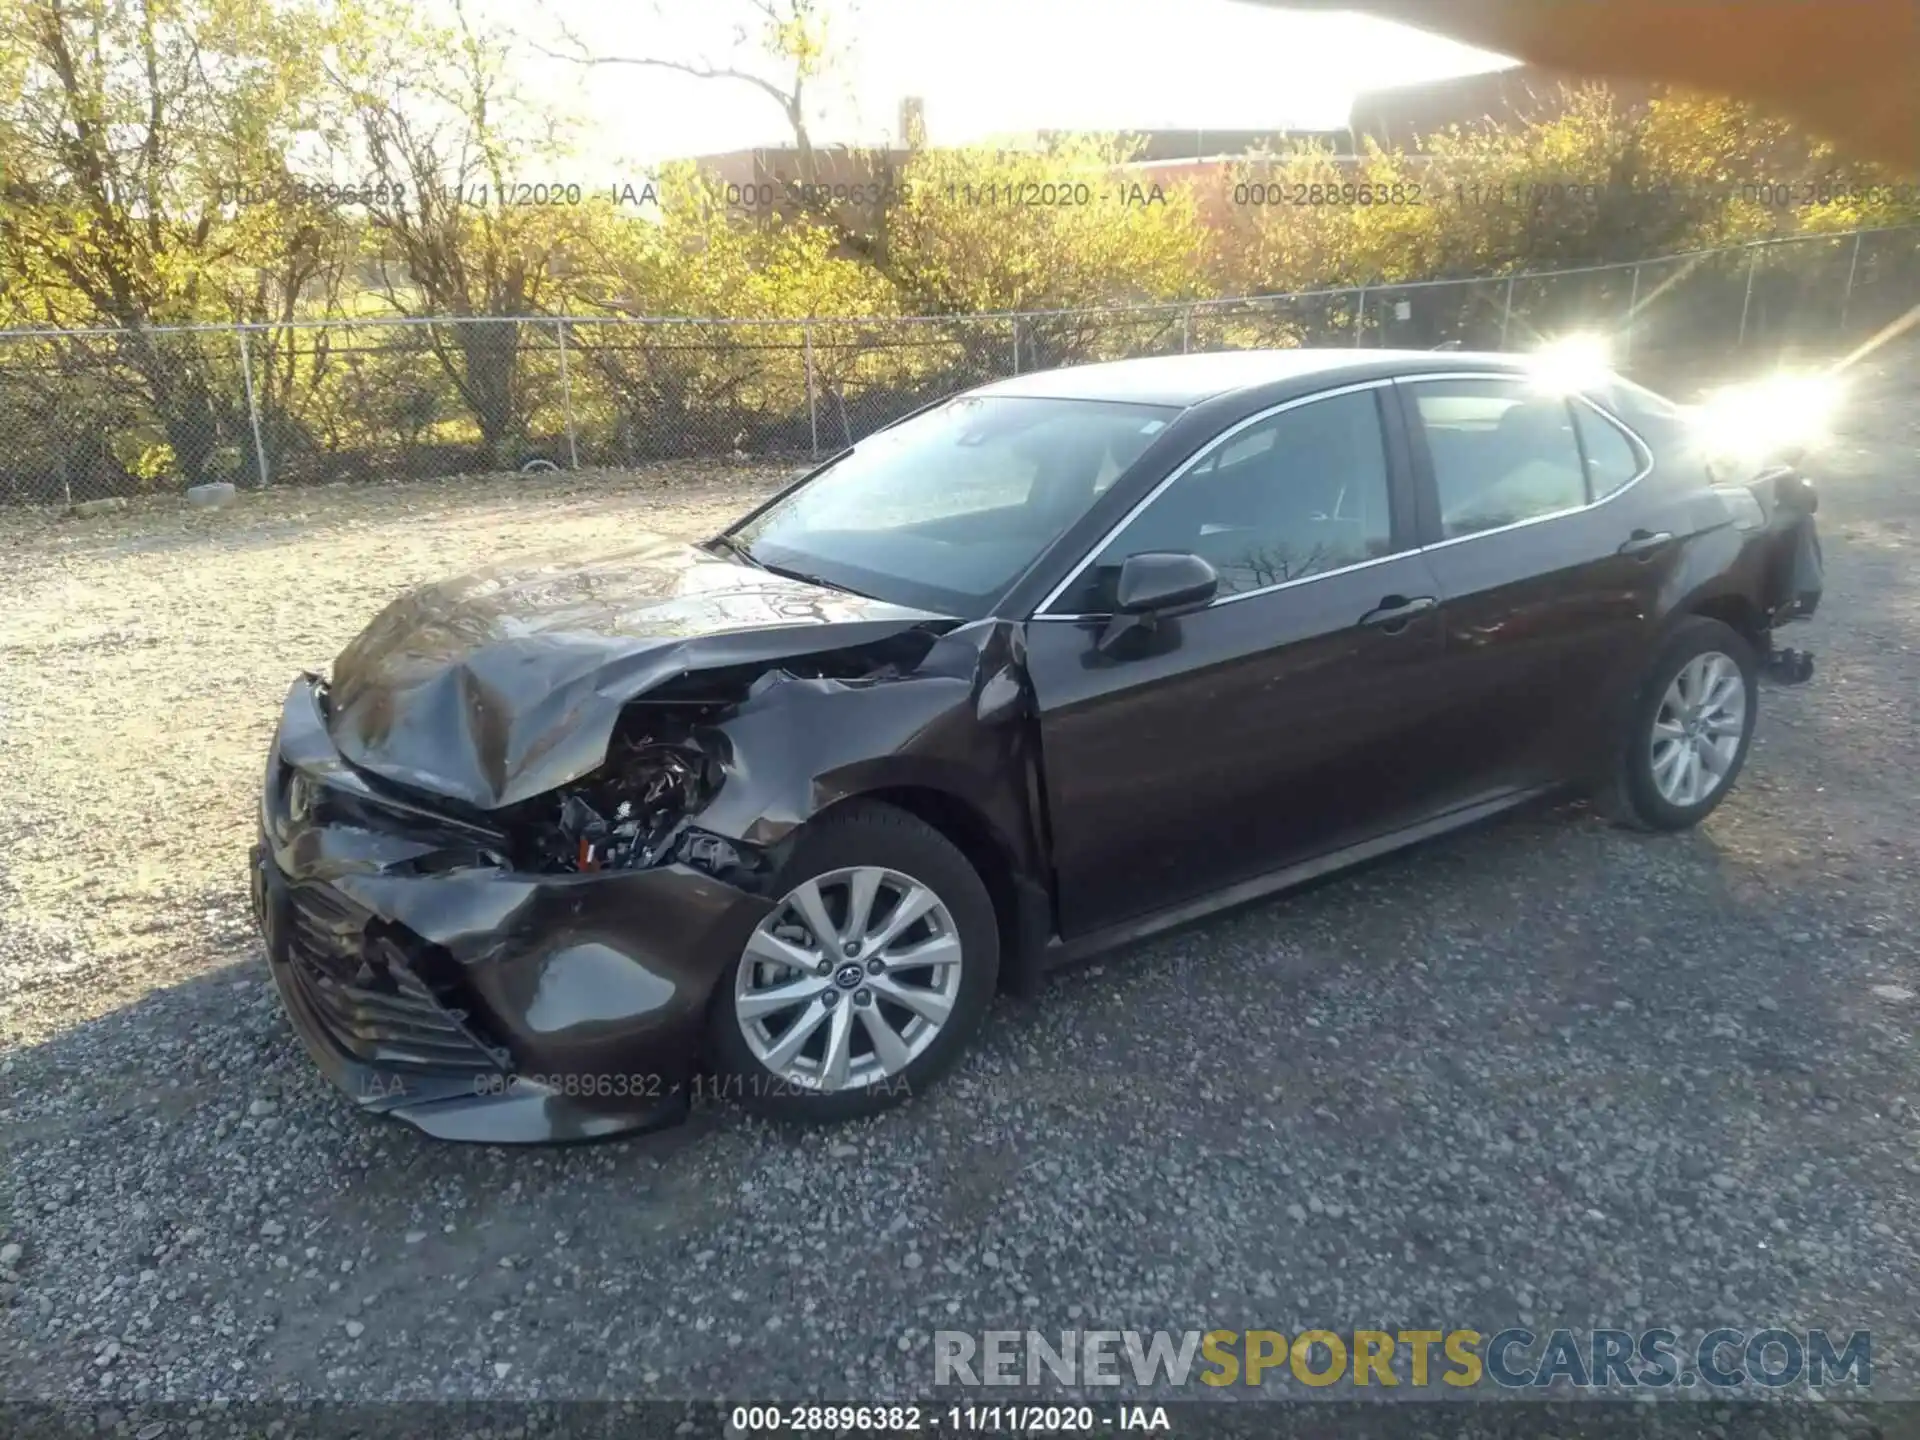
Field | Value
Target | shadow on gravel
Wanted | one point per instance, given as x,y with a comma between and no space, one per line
1517,907
1598,1024
218,1037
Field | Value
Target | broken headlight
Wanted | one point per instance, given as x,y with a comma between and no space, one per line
624,815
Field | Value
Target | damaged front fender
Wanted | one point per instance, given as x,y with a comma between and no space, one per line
801,744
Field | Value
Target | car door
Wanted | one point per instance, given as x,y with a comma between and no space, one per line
1549,568
1282,720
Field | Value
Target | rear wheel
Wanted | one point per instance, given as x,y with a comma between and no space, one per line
1690,728
864,982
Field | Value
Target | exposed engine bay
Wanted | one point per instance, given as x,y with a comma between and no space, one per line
666,760
623,816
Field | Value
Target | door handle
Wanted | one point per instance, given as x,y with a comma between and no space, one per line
1395,612
1643,545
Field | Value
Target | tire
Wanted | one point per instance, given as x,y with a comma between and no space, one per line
831,858
1648,789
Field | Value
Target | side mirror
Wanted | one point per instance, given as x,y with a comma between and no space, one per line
1157,580
1153,584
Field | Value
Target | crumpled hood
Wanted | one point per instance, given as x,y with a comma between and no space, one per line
501,685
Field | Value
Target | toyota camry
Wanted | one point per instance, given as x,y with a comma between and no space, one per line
1044,667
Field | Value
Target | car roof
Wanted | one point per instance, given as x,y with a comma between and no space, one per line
1185,380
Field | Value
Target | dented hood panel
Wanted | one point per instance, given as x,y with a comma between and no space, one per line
498,686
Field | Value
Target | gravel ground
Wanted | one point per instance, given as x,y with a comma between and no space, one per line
1546,1072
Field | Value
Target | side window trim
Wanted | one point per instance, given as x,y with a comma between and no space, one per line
1424,463
1642,452
1212,449
1586,456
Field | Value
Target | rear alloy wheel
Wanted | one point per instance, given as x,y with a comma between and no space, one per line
1691,727
864,981
1698,729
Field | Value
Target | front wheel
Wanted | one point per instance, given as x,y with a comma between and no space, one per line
1691,726
864,982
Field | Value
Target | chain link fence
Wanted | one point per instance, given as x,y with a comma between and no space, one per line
88,414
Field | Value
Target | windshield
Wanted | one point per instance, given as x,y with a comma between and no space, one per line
944,510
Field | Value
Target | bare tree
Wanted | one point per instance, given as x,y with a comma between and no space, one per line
432,113
784,50
1274,564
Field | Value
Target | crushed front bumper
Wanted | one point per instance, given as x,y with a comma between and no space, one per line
436,986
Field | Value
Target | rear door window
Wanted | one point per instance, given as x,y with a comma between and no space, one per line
1502,453
1612,459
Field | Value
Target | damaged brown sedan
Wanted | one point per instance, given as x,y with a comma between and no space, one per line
1047,666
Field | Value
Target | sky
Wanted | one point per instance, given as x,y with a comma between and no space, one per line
985,68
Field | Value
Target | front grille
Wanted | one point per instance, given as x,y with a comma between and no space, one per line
327,932
361,988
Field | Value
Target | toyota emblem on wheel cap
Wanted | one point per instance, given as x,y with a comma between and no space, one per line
848,976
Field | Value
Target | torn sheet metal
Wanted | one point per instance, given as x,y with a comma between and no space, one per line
507,683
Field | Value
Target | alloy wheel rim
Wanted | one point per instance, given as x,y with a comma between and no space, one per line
1698,729
848,979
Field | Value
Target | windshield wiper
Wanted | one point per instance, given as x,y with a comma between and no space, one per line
736,548
803,577
733,546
